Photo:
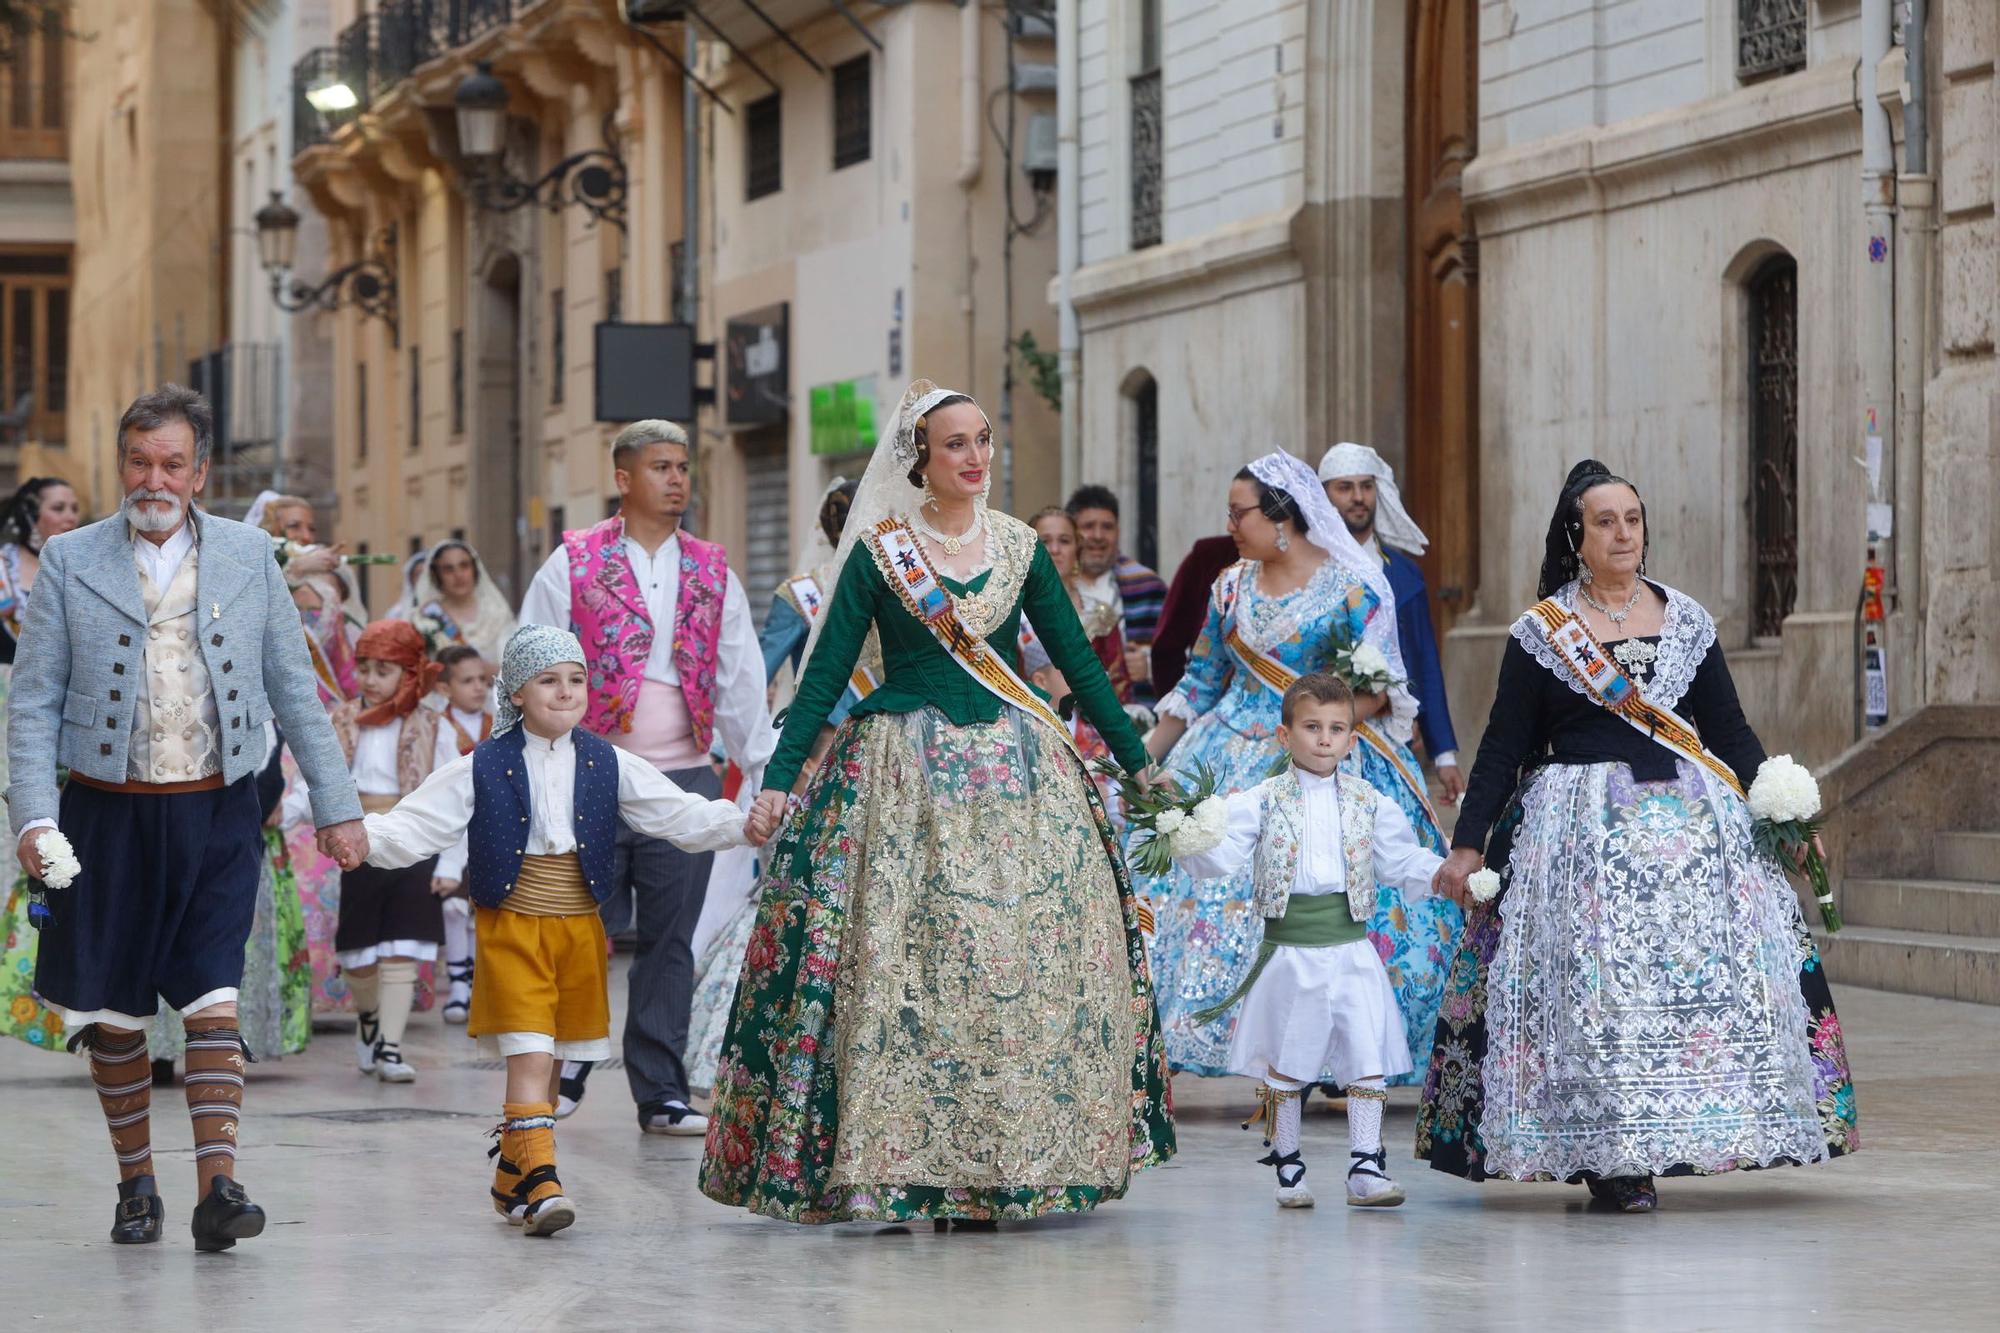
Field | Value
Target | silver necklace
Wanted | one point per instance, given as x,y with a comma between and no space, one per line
1617,618
953,545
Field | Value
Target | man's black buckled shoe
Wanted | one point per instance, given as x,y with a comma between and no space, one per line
225,1216
140,1213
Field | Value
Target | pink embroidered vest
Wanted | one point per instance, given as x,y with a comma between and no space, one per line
608,613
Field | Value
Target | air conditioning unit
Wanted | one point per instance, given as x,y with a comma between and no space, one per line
655,11
1038,150
1034,77
1035,27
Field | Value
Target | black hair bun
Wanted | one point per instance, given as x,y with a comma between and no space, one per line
1585,470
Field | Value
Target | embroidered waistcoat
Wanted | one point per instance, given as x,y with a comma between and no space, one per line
497,838
175,727
1275,867
416,744
608,613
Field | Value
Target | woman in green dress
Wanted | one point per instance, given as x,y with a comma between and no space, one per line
944,1010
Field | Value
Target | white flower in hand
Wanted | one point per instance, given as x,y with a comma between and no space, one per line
1202,828
59,864
1169,821
1483,885
1784,791
1369,662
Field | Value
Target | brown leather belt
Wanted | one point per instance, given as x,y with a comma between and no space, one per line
211,783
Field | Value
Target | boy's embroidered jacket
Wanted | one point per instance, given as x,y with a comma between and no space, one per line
502,810
1275,866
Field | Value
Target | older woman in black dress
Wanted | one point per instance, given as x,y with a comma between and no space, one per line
1643,998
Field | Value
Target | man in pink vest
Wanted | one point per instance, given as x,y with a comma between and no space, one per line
673,662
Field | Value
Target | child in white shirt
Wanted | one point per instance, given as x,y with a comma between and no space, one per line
1317,1004
465,681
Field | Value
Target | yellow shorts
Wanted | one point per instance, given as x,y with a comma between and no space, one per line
540,974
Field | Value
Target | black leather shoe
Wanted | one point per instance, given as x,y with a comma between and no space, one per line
140,1213
225,1216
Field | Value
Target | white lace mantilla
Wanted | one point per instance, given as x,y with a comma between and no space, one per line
1686,634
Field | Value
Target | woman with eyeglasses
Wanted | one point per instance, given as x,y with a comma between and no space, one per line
1302,584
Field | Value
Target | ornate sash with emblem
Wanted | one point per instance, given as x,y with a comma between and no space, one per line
810,599
1577,648
1280,677
900,557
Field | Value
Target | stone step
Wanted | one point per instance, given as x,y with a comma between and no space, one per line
1937,906
1952,967
1973,856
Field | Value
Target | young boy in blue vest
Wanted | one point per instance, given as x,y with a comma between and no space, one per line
1317,1003
539,804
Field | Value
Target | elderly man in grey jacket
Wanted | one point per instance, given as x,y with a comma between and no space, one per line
157,645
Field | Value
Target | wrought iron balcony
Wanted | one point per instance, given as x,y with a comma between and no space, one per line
1770,37
1146,160
333,84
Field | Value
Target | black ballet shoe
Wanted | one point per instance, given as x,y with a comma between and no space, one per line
225,1216
1627,1194
140,1213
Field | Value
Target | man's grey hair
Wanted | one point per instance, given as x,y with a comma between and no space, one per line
642,433
163,407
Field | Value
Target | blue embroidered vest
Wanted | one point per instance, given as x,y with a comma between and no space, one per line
498,836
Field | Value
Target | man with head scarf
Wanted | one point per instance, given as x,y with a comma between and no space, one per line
1363,488
674,664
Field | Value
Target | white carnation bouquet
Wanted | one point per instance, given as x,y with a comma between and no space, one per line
59,870
1174,820
1784,812
1362,665
1484,885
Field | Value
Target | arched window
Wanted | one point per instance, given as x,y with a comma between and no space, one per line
1773,291
1143,527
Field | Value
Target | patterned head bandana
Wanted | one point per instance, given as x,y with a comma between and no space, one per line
399,643
530,650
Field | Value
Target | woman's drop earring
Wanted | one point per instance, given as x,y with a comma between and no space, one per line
1583,574
1284,542
930,496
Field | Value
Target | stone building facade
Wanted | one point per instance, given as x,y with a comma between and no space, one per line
37,229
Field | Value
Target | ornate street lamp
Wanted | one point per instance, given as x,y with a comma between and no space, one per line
368,285
594,178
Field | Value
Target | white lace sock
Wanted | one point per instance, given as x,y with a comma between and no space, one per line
457,931
1365,1099
398,978
1285,1118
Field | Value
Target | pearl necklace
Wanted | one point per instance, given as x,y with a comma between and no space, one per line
952,545
1617,618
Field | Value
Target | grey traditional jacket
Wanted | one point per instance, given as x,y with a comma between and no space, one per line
82,650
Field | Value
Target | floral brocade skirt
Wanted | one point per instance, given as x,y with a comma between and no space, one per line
1643,998
944,1008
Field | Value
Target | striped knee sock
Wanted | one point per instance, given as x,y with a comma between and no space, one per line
214,1095
123,1077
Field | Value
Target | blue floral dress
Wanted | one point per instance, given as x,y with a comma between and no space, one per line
1206,933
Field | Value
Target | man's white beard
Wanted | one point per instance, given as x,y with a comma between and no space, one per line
148,520
1094,568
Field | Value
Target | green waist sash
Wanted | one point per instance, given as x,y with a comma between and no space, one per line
1311,921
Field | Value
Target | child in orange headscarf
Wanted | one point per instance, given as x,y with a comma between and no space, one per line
390,920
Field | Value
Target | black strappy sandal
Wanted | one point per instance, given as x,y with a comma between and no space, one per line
1374,1164
459,973
1291,1168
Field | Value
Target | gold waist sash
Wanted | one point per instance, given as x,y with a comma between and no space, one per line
373,803
550,886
